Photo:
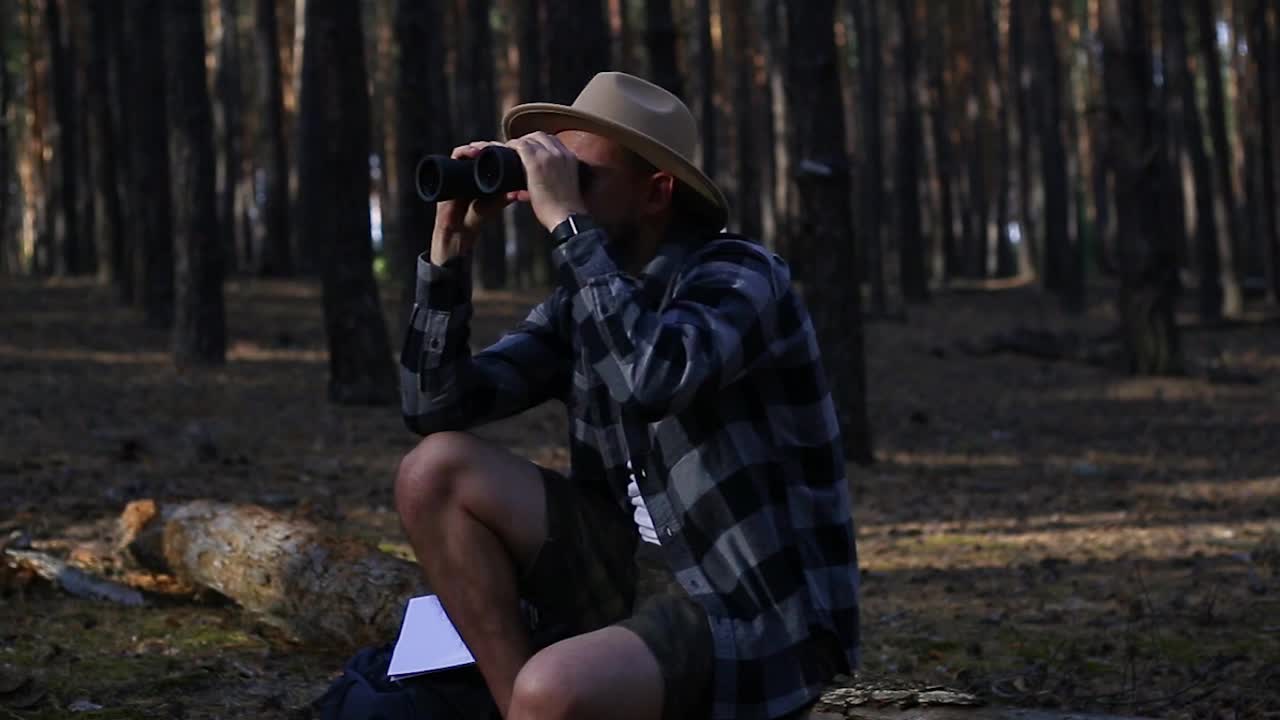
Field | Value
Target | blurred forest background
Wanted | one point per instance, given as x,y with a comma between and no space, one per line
1038,238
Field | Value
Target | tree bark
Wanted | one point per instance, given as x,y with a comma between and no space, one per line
866,22
319,589
706,90
1061,258
105,138
333,179
941,128
273,208
1021,84
149,202
228,126
660,40
9,242
1230,228
823,215
998,96
1181,76
742,51
422,117
199,328
482,114
70,256
911,253
1148,262
577,46
1262,58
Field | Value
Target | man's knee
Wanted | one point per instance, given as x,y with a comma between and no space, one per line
430,475
545,690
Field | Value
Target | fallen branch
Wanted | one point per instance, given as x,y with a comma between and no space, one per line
74,580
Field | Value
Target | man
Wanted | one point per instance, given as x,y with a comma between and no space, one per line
699,560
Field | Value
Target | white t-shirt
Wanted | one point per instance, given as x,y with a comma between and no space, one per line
644,523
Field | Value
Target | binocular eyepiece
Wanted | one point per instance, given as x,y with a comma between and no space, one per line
496,170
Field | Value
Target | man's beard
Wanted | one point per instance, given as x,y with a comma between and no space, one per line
624,236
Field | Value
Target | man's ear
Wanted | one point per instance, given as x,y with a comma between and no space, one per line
661,193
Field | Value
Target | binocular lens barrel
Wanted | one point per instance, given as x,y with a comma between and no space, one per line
440,177
499,170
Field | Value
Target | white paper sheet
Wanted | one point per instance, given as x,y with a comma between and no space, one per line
428,641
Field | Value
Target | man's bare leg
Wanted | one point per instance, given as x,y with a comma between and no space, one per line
608,673
475,515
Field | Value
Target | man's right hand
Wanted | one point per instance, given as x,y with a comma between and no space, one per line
458,222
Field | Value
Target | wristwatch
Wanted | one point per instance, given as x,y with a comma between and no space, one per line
574,224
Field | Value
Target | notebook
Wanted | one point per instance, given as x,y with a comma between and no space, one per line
428,641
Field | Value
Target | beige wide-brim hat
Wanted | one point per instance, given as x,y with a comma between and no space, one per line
638,115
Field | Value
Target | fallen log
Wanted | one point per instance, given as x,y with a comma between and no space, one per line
865,699
72,579
319,589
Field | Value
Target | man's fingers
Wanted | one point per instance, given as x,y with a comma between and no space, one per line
472,149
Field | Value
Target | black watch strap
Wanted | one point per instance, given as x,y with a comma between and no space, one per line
574,224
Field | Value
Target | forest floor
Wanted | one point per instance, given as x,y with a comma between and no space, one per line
1048,534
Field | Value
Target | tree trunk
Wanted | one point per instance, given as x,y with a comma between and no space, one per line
998,96
866,22
333,200
660,40
422,103
533,263
706,90
199,328
320,589
105,138
273,206
1060,256
773,39
577,47
119,88
9,241
228,126
1148,262
976,239
1020,86
70,256
149,200
1262,58
1180,75
748,161
817,140
482,114
1230,230
911,254
941,128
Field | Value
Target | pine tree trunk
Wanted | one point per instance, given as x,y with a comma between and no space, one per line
1262,39
911,254
1180,75
199,328
482,115
228,127
941,127
422,103
70,257
105,139
998,95
1058,248
706,90
577,47
333,201
1021,84
149,202
9,241
1148,262
660,40
273,208
532,261
748,161
817,140
866,21
118,88
1230,230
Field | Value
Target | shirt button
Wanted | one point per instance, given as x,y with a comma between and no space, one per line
670,532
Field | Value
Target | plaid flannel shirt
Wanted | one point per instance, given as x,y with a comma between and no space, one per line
705,373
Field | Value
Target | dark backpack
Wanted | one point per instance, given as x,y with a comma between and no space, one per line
363,692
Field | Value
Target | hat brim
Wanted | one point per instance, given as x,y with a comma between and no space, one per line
552,118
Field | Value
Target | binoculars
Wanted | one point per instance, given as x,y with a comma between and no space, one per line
495,171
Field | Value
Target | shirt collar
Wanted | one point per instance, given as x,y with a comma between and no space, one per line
660,272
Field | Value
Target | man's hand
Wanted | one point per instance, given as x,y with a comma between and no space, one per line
552,173
458,222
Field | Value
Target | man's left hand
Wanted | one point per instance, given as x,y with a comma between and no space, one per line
552,173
